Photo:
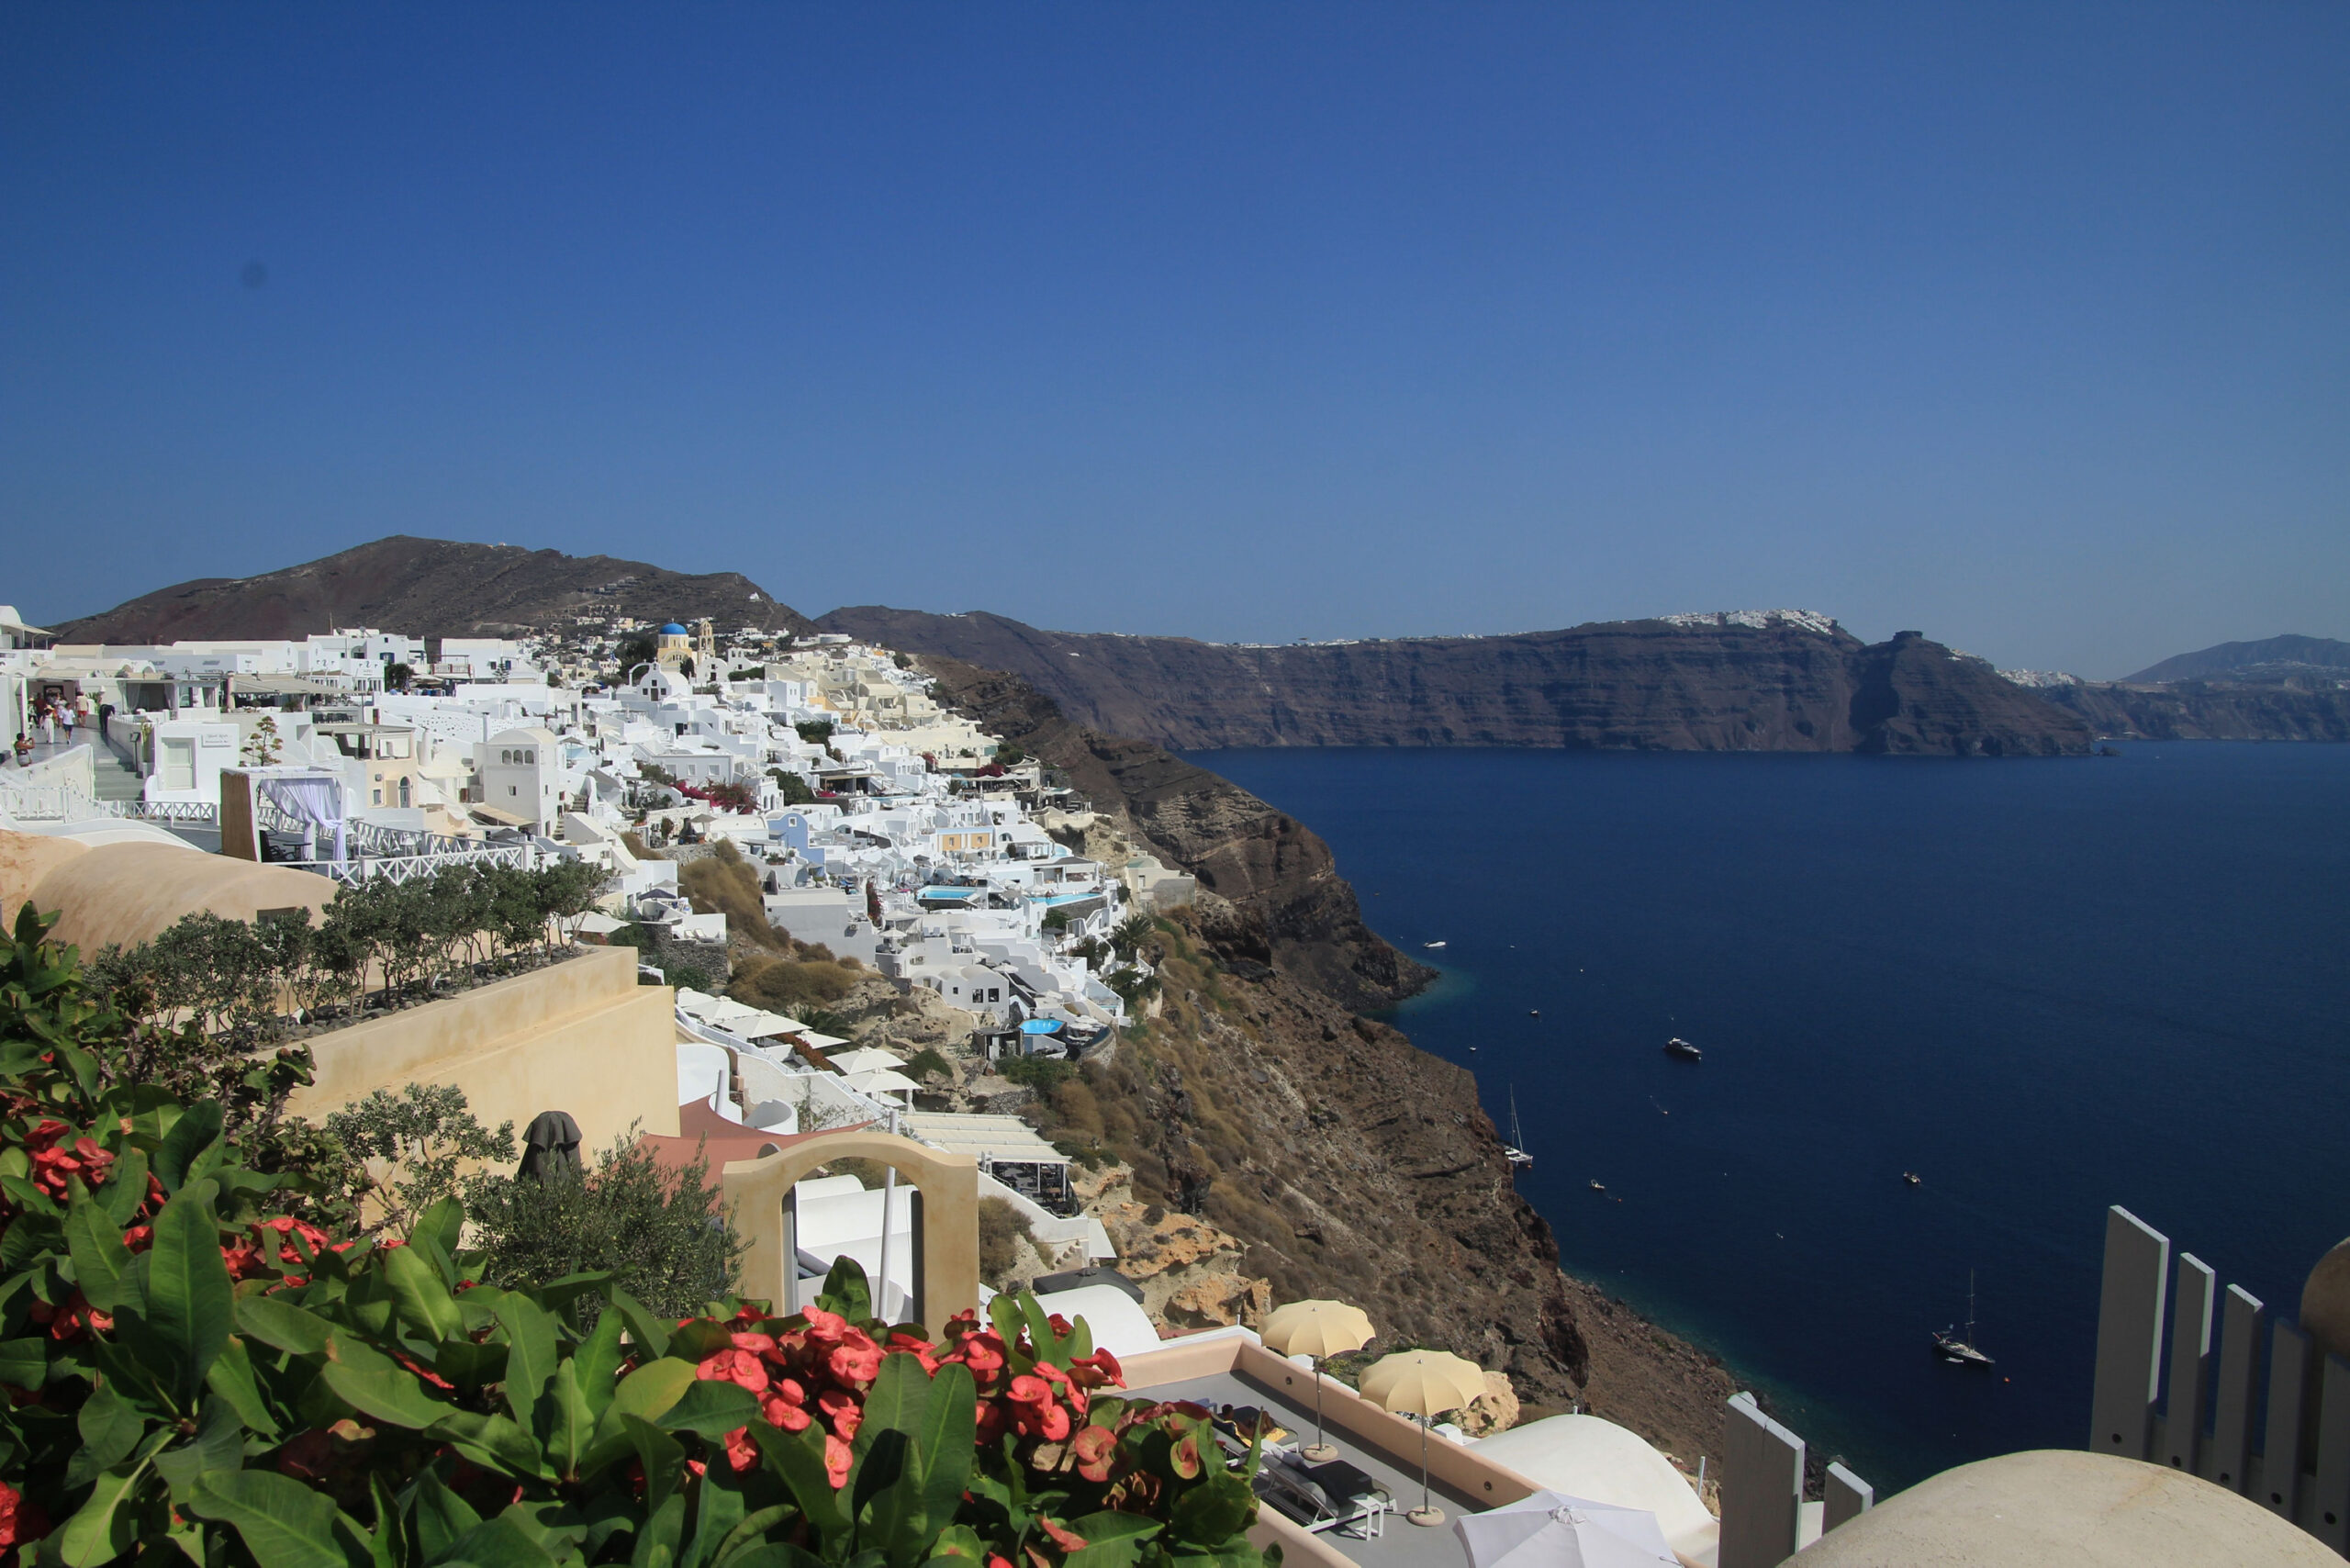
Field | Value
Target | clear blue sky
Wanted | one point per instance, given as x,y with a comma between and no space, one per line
2028,326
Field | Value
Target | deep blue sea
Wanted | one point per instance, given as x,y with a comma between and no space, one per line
2045,986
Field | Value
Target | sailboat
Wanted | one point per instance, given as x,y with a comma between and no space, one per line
1515,1149
1959,1349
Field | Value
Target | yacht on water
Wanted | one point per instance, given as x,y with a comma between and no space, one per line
1957,1349
1678,1046
1515,1149
1431,944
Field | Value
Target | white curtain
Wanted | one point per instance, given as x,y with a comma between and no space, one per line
315,803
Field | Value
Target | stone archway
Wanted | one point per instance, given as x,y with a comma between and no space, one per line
945,1206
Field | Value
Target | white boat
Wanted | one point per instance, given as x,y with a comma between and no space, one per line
1431,944
1515,1149
1960,1349
1678,1046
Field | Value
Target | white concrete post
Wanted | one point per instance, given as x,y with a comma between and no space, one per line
2190,1362
2129,1336
2229,1459
1848,1498
2281,1454
1761,1488
2326,1514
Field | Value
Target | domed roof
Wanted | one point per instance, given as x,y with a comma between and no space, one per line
673,630
2064,1508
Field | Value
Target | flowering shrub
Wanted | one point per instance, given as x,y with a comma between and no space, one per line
190,1373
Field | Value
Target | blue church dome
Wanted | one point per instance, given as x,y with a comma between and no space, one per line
673,630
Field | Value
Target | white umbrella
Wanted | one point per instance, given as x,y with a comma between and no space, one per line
883,1080
866,1059
1551,1530
762,1025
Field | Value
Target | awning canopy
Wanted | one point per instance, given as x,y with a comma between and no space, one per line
983,1138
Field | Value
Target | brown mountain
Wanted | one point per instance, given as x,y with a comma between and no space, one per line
433,588
1792,684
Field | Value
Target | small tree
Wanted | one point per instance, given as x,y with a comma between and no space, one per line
791,788
421,1137
263,746
398,675
815,731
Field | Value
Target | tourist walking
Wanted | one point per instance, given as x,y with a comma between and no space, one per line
24,750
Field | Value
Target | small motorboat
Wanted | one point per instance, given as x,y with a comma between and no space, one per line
1431,945
1910,1177
1534,1012
1597,1185
1678,1046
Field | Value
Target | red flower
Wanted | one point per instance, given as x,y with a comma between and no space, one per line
1095,1449
1100,1370
138,1237
1030,1389
857,1360
825,1327
780,1413
1067,1540
19,1521
742,1453
735,1366
54,1168
837,1460
990,1422
842,1411
758,1344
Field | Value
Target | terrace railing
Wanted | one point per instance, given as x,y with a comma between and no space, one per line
398,869
68,803
2204,1420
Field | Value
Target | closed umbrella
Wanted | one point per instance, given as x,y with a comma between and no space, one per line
1423,1384
1320,1329
1551,1530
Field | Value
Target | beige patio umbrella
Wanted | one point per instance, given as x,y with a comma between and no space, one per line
1320,1329
1423,1384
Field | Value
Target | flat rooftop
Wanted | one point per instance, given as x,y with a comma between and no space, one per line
1401,1543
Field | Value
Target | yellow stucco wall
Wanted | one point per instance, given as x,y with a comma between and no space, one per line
580,1036
129,893
949,1184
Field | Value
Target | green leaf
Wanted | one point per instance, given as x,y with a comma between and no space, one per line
718,1509
797,1458
104,1526
232,1381
747,1531
491,1442
711,1408
599,1363
126,1189
653,1388
650,1332
505,1541
283,1325
24,1364
875,1477
218,1445
656,1540
284,1524
529,1356
388,1545
845,1291
944,1440
95,1243
421,1299
110,1426
1213,1512
370,1381
191,1301
437,1518
569,1426
662,1458
195,1132
437,1231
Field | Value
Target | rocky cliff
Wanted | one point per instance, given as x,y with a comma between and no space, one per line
1776,681
433,588
2208,711
1329,1155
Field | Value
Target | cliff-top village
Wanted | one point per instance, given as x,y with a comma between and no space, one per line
843,946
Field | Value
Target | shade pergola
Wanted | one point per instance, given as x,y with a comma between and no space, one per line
1319,1330
1423,1384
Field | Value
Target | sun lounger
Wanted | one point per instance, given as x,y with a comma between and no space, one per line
1330,1496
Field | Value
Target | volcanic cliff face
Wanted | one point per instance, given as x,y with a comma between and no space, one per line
1782,682
433,588
2208,711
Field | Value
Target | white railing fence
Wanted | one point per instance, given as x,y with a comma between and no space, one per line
1765,1518
2205,1420
398,869
68,803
